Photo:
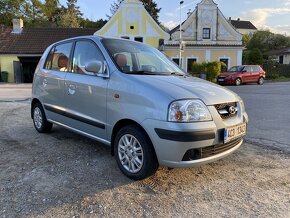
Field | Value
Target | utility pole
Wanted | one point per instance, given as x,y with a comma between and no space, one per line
180,36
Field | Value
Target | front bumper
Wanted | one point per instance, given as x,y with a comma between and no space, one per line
172,141
226,81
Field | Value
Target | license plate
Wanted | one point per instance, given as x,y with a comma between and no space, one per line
234,132
220,80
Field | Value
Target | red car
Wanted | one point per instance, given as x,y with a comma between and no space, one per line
242,74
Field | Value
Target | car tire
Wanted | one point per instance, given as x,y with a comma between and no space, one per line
261,81
238,82
39,119
134,153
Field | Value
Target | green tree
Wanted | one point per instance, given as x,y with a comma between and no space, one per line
71,16
86,23
265,41
150,6
51,10
246,39
255,56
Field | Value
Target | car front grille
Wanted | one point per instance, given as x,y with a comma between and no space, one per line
220,148
199,153
223,110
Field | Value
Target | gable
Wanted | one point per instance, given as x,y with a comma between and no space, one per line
132,19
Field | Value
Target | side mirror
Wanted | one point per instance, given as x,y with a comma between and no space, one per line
96,67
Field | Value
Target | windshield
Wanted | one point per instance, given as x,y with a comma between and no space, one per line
137,58
236,69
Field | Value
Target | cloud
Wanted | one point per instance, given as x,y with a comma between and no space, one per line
260,17
170,24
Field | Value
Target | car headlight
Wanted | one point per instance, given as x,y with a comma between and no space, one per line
188,111
242,103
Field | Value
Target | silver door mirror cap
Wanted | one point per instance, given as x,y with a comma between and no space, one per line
96,67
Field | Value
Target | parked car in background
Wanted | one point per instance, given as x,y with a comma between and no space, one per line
131,97
242,74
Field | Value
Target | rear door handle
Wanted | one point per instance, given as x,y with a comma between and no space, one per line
72,89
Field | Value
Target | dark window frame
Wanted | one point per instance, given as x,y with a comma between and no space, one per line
206,35
192,62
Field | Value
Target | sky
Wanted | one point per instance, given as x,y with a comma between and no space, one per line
264,14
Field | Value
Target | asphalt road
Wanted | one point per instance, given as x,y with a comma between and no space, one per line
268,107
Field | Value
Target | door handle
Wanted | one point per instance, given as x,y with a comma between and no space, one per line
44,82
72,89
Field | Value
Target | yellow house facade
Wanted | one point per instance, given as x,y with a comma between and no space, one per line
206,36
132,21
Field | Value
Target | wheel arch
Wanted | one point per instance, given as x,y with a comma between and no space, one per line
33,102
119,125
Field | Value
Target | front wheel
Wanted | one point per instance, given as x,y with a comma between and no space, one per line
261,81
134,153
39,119
238,82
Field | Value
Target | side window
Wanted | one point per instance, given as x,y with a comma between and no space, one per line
59,59
256,69
247,69
85,52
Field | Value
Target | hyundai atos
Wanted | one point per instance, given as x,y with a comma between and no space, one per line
133,98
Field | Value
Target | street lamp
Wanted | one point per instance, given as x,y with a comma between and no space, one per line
180,35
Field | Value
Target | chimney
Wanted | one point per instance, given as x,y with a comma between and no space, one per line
239,19
17,26
189,13
230,18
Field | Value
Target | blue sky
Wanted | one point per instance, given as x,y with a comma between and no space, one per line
271,14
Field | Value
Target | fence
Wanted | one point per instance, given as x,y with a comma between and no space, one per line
274,71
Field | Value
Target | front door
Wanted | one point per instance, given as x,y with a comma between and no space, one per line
85,93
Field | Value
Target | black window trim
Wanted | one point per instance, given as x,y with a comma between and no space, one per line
209,34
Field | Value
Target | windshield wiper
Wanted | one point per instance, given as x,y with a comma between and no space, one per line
142,72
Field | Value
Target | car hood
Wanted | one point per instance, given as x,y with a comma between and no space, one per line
182,87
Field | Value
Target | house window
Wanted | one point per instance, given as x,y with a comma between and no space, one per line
139,39
131,27
281,59
190,61
176,60
125,37
225,61
206,33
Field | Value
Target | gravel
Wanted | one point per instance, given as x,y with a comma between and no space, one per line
62,174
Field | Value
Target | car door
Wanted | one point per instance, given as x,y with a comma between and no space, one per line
52,81
85,92
255,73
246,74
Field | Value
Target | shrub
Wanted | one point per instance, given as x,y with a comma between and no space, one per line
211,69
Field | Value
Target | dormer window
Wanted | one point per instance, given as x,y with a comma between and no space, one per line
206,33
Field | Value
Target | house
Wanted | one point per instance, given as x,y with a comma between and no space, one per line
282,56
243,26
132,21
206,36
21,48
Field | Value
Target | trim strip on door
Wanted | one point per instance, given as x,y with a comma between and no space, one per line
74,116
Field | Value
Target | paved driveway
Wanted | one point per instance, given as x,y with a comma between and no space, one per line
268,107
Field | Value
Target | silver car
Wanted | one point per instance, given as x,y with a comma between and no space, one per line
133,98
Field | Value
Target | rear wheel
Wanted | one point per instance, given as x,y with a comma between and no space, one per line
238,81
39,119
261,81
134,153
